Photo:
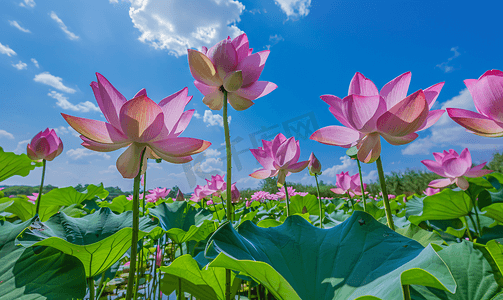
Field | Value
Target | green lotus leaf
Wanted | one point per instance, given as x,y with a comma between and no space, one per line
204,284
304,204
473,274
69,195
420,235
98,240
183,222
37,273
13,164
495,249
266,223
25,210
373,210
493,233
358,259
119,204
494,211
334,219
445,205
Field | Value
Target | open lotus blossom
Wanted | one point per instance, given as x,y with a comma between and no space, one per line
278,158
348,184
200,192
454,166
380,194
45,145
291,192
157,194
368,114
141,124
430,192
217,184
229,65
487,94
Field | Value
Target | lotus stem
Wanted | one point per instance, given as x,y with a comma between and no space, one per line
140,270
350,200
474,224
101,285
468,230
477,216
287,200
387,207
362,186
180,295
319,199
90,283
44,162
229,183
225,210
406,292
134,239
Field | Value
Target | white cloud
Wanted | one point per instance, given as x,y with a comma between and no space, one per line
274,39
445,65
65,104
347,165
447,133
248,182
154,165
21,147
179,25
110,169
113,1
294,8
16,24
6,134
214,119
211,152
62,130
35,62
6,50
69,34
20,65
197,115
54,81
370,177
209,165
27,3
83,153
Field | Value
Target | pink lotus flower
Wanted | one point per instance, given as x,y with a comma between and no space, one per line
431,192
368,114
487,94
158,256
229,65
33,198
157,194
314,165
141,124
45,145
454,166
235,194
200,192
130,197
278,158
217,184
209,202
348,184
282,195
260,196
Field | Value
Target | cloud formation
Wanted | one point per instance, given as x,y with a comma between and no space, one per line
16,24
214,119
178,25
54,81
347,166
294,8
445,65
28,3
20,65
80,153
63,102
6,134
6,50
274,39
35,62
69,34
62,130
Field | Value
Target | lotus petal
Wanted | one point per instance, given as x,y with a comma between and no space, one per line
362,86
237,102
336,135
214,100
180,146
477,123
202,69
252,66
109,99
97,131
141,119
369,148
256,90
396,90
128,162
172,107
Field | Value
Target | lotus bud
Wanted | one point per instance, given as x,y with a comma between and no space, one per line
45,145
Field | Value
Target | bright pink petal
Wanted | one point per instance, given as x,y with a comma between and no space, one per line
434,166
362,86
202,68
180,146
338,191
477,171
336,108
396,90
261,174
237,102
97,131
369,149
432,93
224,57
256,90
336,136
109,99
141,119
242,46
432,118
102,147
440,183
265,159
400,140
360,111
171,159
182,123
487,95
405,117
205,89
214,100
455,167
173,106
462,183
252,66
286,151
128,162
142,92
276,143
477,123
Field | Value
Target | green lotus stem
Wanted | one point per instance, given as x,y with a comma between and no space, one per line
140,271
406,292
474,225
350,200
229,183
319,199
287,201
387,207
134,239
468,230
180,291
362,186
223,205
477,216
44,162
181,250
101,285
90,283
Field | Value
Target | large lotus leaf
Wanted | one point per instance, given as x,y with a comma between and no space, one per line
204,284
334,219
399,222
98,240
473,274
445,205
25,210
494,211
414,206
183,222
493,233
37,273
304,204
13,164
495,249
420,235
69,195
5,202
373,210
358,259
119,204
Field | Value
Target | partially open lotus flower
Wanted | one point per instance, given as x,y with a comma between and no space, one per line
348,184
229,65
278,158
157,194
235,193
368,114
454,166
200,192
141,124
45,145
217,184
487,94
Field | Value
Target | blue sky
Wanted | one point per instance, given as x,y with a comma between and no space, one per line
50,51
